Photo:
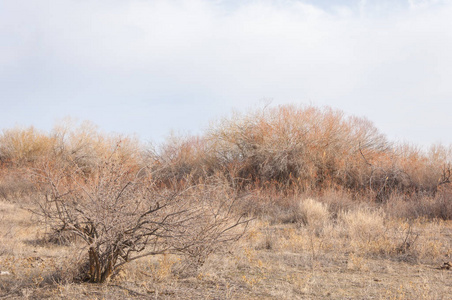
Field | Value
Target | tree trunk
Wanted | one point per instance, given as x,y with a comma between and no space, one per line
101,269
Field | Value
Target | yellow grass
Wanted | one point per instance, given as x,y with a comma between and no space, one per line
360,254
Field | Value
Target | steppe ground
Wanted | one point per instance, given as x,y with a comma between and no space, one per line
358,253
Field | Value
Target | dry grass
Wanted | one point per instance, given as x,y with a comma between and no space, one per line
314,213
340,212
362,253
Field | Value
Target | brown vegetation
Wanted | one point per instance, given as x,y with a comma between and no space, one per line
328,195
305,148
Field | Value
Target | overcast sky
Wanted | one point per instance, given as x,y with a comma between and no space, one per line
146,67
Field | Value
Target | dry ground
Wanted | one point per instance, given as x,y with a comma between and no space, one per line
358,254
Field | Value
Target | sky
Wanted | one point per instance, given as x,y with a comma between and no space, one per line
151,67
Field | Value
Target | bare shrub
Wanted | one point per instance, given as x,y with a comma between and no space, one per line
180,158
13,186
438,206
86,147
307,146
316,149
23,145
121,215
301,148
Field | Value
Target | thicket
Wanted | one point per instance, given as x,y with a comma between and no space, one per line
123,199
305,148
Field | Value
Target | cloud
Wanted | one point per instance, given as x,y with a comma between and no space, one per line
194,60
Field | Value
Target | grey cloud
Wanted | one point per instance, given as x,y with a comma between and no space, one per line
149,66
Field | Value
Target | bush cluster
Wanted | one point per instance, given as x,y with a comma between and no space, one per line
285,148
123,199
305,148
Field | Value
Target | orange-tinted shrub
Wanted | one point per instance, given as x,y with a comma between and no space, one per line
304,146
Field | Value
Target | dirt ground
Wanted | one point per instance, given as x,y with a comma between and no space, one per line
328,260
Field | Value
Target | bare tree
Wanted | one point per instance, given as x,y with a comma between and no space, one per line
120,214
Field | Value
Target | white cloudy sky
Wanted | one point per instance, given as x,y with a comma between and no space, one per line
148,66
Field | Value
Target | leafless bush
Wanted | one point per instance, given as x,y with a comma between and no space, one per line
438,206
307,147
13,186
86,147
121,215
284,148
180,158
23,145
